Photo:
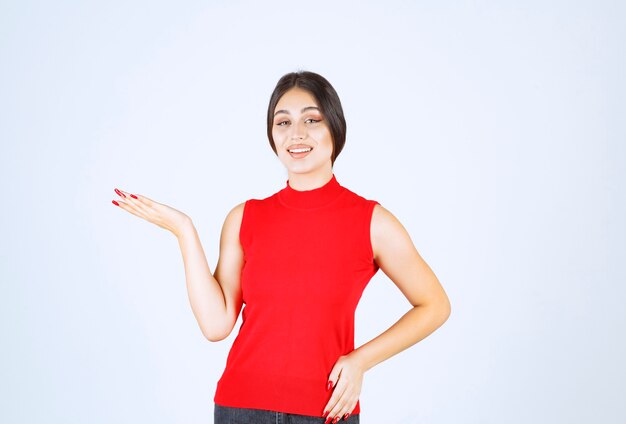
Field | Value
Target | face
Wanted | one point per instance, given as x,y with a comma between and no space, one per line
301,135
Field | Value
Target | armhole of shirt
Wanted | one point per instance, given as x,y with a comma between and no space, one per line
243,228
371,204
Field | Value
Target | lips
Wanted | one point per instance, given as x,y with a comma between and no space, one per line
299,148
298,151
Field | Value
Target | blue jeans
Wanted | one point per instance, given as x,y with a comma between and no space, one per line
231,415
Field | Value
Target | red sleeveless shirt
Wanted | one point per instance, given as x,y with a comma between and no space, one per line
307,259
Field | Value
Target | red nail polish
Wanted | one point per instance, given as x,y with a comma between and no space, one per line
345,417
133,196
329,385
115,203
325,413
335,420
119,193
327,420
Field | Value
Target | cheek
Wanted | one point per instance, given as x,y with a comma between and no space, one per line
277,136
322,136
327,139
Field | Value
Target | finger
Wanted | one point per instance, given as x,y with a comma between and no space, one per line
336,403
350,409
131,196
333,378
141,199
120,193
342,405
136,204
133,208
349,395
345,406
130,208
330,384
348,406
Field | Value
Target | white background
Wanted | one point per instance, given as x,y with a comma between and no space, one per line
493,130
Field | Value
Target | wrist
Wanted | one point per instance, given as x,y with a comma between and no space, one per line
184,228
360,360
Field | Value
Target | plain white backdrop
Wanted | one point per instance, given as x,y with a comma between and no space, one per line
492,130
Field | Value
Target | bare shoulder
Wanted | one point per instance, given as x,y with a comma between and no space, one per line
235,215
237,210
232,225
381,215
387,233
383,221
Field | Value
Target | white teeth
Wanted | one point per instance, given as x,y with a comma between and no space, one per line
301,150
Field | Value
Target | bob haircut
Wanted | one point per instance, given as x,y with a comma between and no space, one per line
326,97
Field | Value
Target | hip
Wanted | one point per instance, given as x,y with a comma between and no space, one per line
233,415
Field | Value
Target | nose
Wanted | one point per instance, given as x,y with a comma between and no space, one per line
298,131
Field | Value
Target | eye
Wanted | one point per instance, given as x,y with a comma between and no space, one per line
282,123
312,121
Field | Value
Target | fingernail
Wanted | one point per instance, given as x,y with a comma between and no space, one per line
345,417
325,413
119,193
115,203
327,420
329,385
133,196
335,420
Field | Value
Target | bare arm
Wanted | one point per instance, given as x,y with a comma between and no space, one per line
215,298
396,255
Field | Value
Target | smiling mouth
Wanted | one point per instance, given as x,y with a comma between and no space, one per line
300,150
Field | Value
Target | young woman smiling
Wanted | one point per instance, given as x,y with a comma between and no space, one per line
299,261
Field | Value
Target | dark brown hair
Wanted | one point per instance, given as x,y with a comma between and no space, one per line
327,100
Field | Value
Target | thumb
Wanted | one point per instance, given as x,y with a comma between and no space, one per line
333,377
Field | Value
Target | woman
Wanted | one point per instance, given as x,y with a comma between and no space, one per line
300,260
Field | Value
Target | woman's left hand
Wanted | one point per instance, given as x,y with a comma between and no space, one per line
347,378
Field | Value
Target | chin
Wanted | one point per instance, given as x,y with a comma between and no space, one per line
300,169
302,166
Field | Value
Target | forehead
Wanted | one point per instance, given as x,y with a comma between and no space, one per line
295,99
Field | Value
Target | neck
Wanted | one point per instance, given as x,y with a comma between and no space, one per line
310,181
313,198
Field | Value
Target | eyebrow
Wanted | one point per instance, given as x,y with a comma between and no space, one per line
302,111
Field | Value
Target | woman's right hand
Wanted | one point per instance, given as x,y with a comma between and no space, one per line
157,213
